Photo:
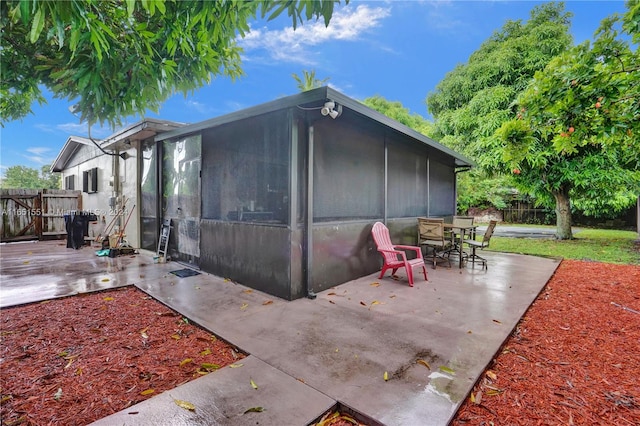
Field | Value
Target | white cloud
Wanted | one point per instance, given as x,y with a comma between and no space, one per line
38,150
287,45
76,129
198,106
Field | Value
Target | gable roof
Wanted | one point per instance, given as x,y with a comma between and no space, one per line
315,99
71,146
141,130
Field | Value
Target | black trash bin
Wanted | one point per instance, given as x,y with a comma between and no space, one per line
77,227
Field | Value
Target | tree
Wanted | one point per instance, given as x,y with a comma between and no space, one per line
308,81
50,180
27,178
118,59
475,98
576,135
396,111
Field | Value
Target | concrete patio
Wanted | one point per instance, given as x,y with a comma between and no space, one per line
308,356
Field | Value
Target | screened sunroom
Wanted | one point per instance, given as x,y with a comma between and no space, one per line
281,197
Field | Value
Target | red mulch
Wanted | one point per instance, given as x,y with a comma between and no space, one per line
78,359
574,359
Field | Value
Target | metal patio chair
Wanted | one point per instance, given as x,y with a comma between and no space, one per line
394,256
431,235
474,245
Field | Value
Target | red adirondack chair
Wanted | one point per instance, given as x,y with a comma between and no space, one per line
395,259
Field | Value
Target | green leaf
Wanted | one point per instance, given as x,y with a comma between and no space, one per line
131,4
447,370
36,26
254,410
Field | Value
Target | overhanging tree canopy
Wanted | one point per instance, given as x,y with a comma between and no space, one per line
475,98
576,135
120,58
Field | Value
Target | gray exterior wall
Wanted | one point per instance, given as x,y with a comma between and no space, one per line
289,196
254,255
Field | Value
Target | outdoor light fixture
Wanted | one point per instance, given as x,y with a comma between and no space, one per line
330,109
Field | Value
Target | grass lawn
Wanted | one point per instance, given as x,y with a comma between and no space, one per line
602,245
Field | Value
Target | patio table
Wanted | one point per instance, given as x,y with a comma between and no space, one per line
461,231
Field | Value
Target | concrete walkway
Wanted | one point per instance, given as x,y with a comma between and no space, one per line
308,356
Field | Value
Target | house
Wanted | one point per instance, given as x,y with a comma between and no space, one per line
107,173
282,196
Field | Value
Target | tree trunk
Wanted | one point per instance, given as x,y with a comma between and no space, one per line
563,214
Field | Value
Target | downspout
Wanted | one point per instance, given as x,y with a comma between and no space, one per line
386,178
428,187
309,221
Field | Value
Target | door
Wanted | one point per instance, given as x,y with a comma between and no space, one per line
181,197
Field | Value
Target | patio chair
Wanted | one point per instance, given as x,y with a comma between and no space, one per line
393,258
474,245
431,235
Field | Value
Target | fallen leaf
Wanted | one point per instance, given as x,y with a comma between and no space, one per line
253,384
478,397
26,262
254,410
244,306
362,303
209,366
107,299
248,291
147,392
332,302
491,375
423,362
392,296
205,352
185,361
58,394
349,419
185,404
235,365
333,293
447,370
385,376
105,280
144,334
176,336
496,321
375,284
267,302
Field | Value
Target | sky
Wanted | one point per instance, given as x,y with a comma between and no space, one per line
398,49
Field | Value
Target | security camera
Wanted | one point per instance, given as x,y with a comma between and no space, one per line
327,108
335,114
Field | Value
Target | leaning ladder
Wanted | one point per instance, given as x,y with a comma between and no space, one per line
163,241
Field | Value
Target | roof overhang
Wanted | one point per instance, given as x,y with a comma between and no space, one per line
120,140
71,146
142,130
315,99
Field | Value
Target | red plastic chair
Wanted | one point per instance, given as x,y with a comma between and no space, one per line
395,259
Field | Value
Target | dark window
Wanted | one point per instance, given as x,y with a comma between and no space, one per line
348,181
245,170
90,181
70,182
407,181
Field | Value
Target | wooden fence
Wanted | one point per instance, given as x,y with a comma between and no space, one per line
36,214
